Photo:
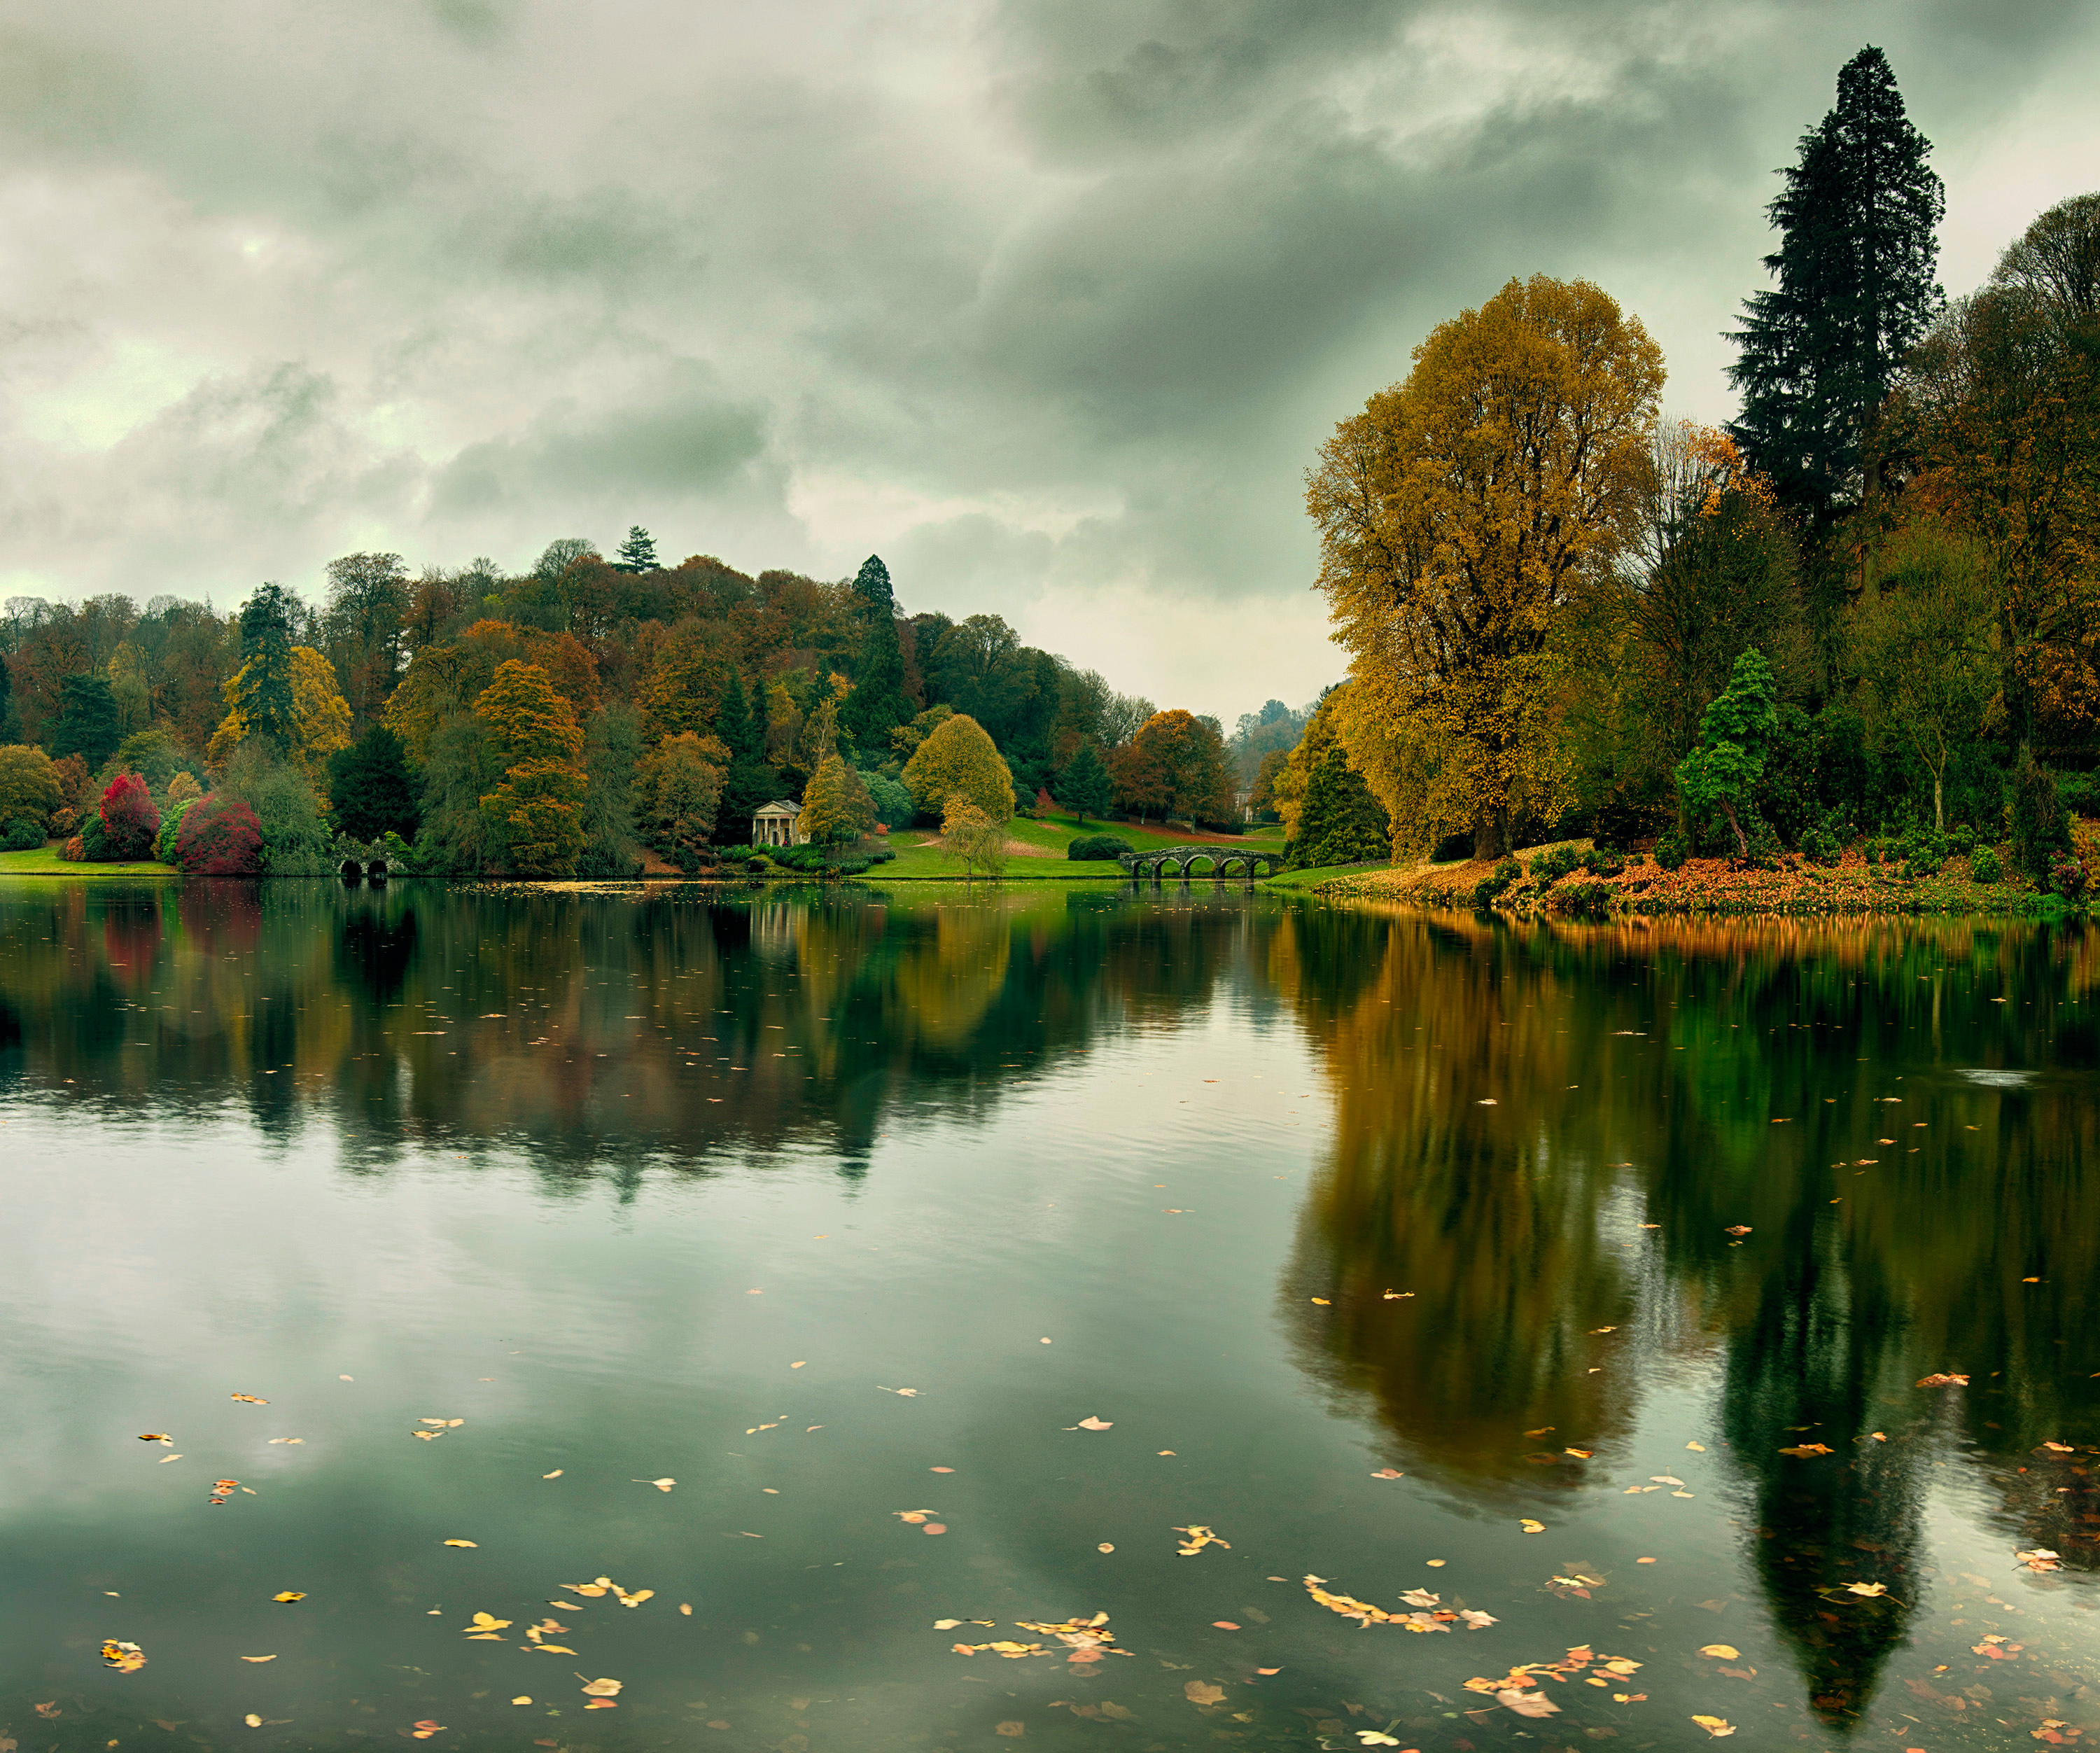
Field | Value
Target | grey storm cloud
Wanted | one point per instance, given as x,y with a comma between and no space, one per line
1048,301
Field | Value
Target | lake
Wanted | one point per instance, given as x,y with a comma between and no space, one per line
681,1318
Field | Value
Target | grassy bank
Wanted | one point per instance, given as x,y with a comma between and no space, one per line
44,861
1703,885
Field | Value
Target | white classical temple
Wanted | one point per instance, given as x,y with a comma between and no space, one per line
778,824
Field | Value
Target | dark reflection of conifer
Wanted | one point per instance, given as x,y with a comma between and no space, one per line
1689,1040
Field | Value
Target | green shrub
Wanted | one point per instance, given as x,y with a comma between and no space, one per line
1672,851
1490,890
1602,861
21,835
171,827
2041,826
1819,845
1983,866
1592,899
1094,846
1550,866
2069,877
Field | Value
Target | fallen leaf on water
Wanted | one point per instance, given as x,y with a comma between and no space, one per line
459,1542
685,1607
127,1659
521,1699
155,1436
1807,1449
253,1720
1580,1455
1726,1652
1012,1730
1222,1625
1696,1448
485,1622
1421,1597
940,1469
258,1658
1372,1737
1664,1479
909,1393
251,1400
1388,1473
1529,1527
1203,1692
290,1594
556,1474
1092,1422
1104,1546
50,1708
1866,1588
2059,1448
935,1527
425,1728
1943,1381
1268,1671
603,1688
1475,1620
914,1516
661,1485
1199,1537
1715,1726
1527,1703
166,1459
2041,1559
1737,1229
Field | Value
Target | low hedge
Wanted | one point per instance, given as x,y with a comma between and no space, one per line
1093,846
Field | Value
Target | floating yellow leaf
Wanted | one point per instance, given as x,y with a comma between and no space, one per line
1866,1588
556,1474
154,1436
258,1658
602,1688
251,1719
521,1699
290,1594
1726,1652
685,1607
251,1400
1529,1527
1203,1692
1715,1726
661,1485
127,1659
459,1542
1808,1448
486,1622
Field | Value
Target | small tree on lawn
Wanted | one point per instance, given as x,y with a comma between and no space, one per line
1733,737
1083,786
837,808
974,838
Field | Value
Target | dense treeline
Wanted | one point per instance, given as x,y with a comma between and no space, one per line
1871,607
553,721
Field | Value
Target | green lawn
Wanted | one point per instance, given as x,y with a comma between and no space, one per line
916,859
45,862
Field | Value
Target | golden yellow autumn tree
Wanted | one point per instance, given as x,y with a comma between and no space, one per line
1459,514
321,716
536,812
958,759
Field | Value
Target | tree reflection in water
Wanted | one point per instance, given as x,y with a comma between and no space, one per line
1515,1107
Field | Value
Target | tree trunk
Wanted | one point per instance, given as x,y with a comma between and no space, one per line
1491,833
1938,804
1742,845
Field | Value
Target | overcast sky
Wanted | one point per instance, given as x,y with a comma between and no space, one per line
1047,302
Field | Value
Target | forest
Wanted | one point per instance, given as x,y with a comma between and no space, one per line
1868,607
558,722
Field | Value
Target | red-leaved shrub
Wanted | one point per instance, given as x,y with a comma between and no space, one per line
129,822
219,837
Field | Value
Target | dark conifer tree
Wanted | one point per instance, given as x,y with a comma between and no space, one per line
1340,822
1083,786
87,724
637,553
877,706
371,791
11,720
264,692
1858,249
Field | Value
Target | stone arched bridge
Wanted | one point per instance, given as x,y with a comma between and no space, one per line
1159,862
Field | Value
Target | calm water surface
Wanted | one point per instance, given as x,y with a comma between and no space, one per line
767,1254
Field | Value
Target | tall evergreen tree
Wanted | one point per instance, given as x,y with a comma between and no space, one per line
262,690
11,719
1083,786
877,706
371,790
637,553
87,724
734,723
1858,221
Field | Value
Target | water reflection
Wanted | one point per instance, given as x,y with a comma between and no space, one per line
1577,1176
1826,1152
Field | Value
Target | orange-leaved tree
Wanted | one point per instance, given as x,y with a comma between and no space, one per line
536,812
